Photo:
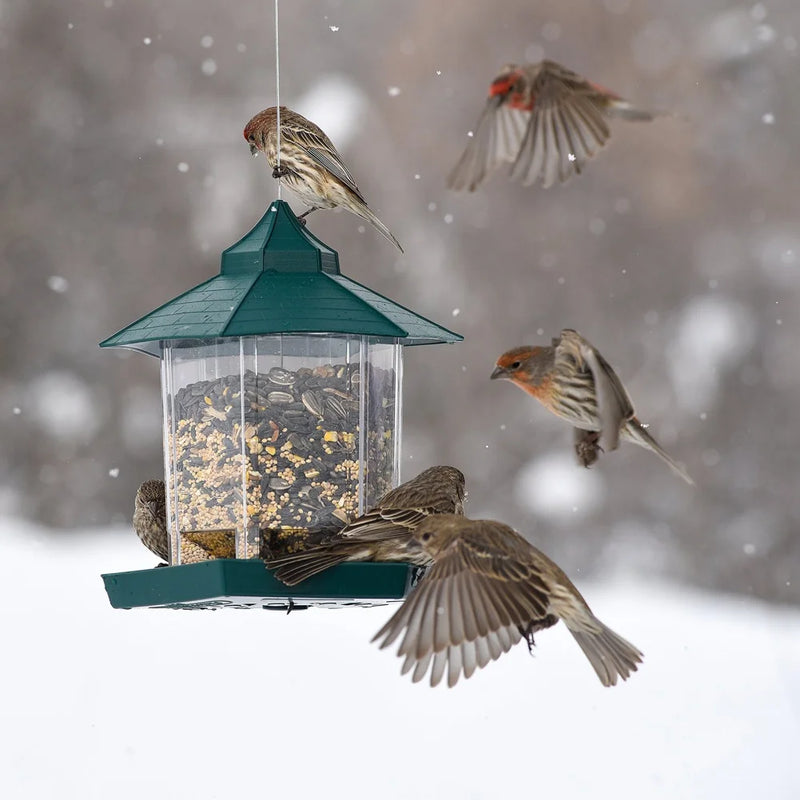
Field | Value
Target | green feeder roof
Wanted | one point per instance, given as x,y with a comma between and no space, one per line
279,278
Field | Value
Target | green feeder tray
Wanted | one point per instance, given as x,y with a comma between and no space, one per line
278,307
246,583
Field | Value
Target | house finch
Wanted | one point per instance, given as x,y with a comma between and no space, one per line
487,589
150,518
544,120
150,524
310,165
571,379
382,533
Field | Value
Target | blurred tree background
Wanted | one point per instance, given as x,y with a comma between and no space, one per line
124,174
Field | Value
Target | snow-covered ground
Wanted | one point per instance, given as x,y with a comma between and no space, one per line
98,703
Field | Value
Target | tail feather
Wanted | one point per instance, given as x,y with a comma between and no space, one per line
365,212
625,110
635,432
609,654
298,567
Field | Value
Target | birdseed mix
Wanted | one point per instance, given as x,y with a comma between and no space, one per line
278,455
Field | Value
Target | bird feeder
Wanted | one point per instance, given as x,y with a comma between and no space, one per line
281,386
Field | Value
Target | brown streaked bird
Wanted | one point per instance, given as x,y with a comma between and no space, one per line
573,381
382,532
487,589
310,165
150,518
542,119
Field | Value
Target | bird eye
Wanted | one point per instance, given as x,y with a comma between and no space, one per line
425,537
251,138
516,365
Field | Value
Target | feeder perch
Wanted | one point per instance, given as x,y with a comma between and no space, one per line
281,385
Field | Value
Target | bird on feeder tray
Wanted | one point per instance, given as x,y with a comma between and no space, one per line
545,121
150,518
310,165
150,524
487,589
381,534
573,381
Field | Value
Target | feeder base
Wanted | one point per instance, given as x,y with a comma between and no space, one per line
246,583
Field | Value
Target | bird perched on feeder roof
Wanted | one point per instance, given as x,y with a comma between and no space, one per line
573,381
382,532
487,589
545,121
310,165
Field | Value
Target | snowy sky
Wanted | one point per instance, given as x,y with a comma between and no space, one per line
226,704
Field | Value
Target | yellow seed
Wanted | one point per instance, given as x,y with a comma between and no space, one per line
270,449
331,436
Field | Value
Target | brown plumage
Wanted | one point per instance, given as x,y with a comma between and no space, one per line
150,518
573,381
487,589
310,165
545,121
382,532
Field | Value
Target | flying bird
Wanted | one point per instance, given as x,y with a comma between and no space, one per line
543,120
489,588
573,381
382,532
310,165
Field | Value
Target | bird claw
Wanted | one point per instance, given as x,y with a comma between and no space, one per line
280,172
527,634
587,447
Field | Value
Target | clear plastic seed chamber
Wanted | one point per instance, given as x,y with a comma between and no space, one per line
278,440
281,385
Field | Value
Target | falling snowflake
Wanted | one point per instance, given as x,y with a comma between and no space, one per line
57,284
147,40
183,167
394,91
114,472
334,28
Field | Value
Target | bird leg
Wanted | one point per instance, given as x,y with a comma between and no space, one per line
535,625
280,172
302,218
587,446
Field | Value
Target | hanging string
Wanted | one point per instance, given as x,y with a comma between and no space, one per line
278,91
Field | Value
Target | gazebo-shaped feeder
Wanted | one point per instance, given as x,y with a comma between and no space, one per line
281,384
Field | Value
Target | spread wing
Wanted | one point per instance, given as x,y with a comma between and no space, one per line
566,127
495,141
471,607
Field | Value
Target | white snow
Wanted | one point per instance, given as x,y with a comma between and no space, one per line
64,405
550,486
228,704
335,103
714,334
57,284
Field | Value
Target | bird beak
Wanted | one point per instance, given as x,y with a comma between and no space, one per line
499,372
254,150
